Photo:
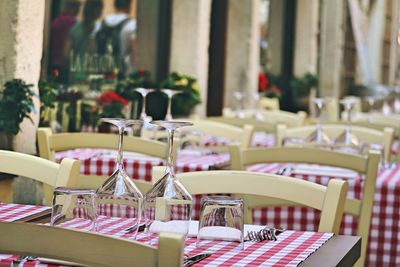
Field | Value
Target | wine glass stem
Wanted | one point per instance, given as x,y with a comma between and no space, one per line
169,115
170,158
120,141
143,113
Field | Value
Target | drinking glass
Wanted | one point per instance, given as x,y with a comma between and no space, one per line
256,113
73,207
143,92
347,141
221,218
239,96
318,137
168,205
396,103
119,196
170,93
371,102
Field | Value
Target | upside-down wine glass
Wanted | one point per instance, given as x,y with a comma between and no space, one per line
119,196
239,96
168,205
170,93
143,92
256,113
348,141
318,137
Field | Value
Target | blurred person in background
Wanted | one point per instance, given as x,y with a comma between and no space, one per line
60,29
82,43
116,35
82,33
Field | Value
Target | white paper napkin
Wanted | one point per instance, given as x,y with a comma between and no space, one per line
306,169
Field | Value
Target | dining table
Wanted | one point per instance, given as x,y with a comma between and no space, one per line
292,248
384,239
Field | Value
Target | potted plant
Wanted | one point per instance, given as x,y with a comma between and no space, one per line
301,87
15,105
48,97
183,103
109,105
126,88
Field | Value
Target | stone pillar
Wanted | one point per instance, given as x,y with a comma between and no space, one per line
242,51
190,41
21,27
394,45
306,42
276,32
331,47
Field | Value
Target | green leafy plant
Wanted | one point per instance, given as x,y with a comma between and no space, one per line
16,104
301,86
183,103
48,97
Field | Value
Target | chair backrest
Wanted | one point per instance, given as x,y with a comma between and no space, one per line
376,121
367,166
268,103
289,119
39,169
50,143
330,200
87,248
242,135
272,116
366,135
259,125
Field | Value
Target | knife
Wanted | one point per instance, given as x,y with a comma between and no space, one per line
194,259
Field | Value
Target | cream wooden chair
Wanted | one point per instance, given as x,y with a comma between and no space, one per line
366,135
50,143
272,116
49,173
268,103
367,166
261,126
240,135
330,200
87,248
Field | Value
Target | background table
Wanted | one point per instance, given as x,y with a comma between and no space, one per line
384,239
292,247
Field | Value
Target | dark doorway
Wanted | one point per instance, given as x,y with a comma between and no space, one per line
216,68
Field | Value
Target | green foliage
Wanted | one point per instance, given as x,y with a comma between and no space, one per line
301,85
15,105
183,103
137,79
48,94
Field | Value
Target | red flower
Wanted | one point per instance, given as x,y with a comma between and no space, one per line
262,81
108,97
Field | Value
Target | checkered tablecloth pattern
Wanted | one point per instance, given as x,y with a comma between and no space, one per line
384,239
93,162
15,212
291,249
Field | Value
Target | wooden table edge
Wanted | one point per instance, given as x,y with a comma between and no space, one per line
340,250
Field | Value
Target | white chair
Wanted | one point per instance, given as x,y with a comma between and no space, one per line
49,173
50,143
365,135
88,248
366,166
329,200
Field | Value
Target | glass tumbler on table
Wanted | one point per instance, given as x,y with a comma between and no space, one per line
168,205
221,218
118,196
73,207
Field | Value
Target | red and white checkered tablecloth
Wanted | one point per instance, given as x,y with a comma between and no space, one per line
384,239
13,212
292,247
93,162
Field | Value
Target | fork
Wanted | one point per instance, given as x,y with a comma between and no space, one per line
189,261
268,233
